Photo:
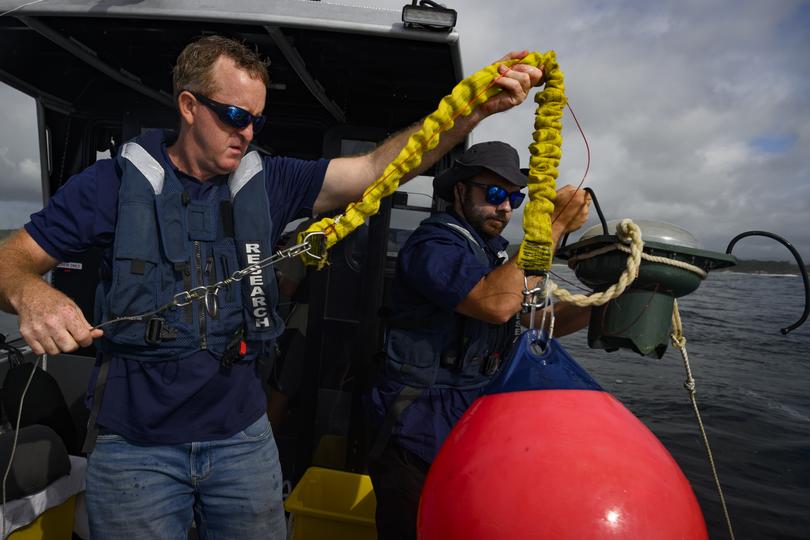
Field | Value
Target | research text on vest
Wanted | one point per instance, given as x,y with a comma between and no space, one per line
258,297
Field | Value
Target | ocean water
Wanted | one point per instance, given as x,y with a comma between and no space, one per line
753,391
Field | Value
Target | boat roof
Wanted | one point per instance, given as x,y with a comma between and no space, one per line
289,13
331,65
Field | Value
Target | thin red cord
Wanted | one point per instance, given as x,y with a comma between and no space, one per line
587,162
442,129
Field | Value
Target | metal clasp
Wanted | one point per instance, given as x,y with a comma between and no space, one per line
539,297
211,302
533,297
182,299
316,244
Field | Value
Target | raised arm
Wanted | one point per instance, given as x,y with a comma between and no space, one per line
347,178
50,322
498,296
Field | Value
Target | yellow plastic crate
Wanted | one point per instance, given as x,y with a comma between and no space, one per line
332,504
55,523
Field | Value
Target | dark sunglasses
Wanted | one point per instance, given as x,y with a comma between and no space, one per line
231,114
496,194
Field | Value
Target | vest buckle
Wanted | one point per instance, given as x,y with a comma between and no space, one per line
157,331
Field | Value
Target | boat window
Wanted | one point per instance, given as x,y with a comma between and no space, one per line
410,208
20,174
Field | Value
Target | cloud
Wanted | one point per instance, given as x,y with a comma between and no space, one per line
21,177
696,113
30,168
19,159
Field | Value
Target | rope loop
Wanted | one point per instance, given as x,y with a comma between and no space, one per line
630,231
626,230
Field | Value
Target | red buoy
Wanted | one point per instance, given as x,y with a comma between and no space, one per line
555,464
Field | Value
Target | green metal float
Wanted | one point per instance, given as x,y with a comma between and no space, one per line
673,265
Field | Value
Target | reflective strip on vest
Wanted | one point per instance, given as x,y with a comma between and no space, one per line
146,164
250,165
461,230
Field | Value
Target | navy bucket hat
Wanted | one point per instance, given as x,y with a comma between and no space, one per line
495,156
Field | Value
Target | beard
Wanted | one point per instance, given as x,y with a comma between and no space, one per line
485,222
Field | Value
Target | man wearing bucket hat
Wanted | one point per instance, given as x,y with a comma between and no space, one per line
451,320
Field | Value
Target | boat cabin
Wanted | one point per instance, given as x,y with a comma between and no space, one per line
342,79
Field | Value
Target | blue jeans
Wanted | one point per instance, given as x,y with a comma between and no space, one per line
231,488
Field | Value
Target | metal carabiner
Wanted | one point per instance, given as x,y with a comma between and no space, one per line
187,297
182,299
317,248
534,297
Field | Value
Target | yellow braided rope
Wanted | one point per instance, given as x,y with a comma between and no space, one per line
536,249
535,252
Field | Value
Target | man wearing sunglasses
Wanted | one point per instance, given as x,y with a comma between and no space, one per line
176,397
451,321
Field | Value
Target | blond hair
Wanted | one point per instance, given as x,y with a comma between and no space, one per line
193,69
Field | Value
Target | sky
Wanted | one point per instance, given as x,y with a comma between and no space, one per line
19,162
697,113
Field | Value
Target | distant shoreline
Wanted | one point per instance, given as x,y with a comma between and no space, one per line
753,267
764,267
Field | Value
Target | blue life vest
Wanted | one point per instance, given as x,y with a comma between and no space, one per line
166,243
433,347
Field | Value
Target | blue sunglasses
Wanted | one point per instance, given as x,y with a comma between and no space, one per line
496,194
232,115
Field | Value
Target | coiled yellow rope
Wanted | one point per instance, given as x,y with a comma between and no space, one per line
536,250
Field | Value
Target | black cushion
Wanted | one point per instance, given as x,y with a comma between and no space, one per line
40,459
44,403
